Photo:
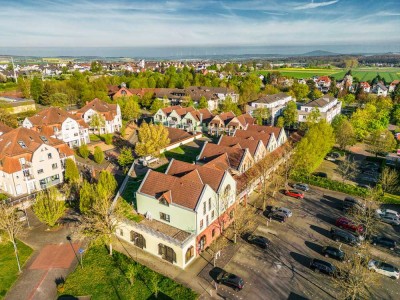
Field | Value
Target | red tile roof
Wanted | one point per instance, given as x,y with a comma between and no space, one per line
109,111
231,141
4,128
211,151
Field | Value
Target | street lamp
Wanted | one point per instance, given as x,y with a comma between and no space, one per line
70,242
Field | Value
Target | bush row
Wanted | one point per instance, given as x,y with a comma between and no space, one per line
331,184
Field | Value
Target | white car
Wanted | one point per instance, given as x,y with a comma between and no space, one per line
283,210
390,219
387,212
384,268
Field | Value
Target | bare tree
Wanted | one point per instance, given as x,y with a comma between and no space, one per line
389,180
243,220
354,280
9,222
347,168
366,214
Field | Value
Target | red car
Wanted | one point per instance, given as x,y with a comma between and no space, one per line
294,194
347,224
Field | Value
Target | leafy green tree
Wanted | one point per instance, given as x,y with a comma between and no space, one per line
349,99
7,118
261,114
47,90
290,114
344,132
108,138
280,122
380,141
395,114
86,197
98,155
49,206
95,67
368,119
131,110
228,105
269,89
249,88
58,99
83,151
71,171
299,91
315,94
313,147
36,88
152,138
125,158
202,103
24,86
107,182
97,121
156,105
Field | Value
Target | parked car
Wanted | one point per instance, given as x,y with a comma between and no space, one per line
278,216
294,194
352,205
231,280
258,240
333,156
384,242
390,219
384,268
301,186
333,252
21,215
318,265
365,186
320,174
284,210
384,211
347,224
344,236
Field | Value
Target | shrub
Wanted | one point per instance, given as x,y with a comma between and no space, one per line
331,184
98,155
107,138
84,151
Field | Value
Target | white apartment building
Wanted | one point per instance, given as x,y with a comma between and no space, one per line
328,106
31,161
58,123
275,103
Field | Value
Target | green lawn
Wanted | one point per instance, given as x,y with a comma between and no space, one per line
103,277
183,153
8,264
391,199
363,74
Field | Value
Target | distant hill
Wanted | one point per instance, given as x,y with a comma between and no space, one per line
320,53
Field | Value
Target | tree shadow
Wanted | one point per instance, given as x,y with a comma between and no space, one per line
160,295
315,247
294,296
332,204
301,259
326,219
322,231
67,297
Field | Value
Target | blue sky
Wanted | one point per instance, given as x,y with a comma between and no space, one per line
106,23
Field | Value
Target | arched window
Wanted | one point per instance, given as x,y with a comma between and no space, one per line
189,254
138,240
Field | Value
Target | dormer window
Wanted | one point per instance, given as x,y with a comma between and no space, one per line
44,139
164,201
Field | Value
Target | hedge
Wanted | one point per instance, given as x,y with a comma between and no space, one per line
331,184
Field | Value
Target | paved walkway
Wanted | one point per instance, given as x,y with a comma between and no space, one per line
52,260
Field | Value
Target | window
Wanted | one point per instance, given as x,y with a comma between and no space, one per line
212,215
201,224
164,217
204,208
22,144
209,204
54,166
163,201
121,232
44,139
231,214
40,171
207,221
189,254
22,161
213,232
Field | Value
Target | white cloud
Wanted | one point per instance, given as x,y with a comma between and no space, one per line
315,5
387,14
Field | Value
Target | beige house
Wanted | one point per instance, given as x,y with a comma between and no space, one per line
30,161
256,147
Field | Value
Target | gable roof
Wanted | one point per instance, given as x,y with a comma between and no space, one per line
321,102
265,129
177,190
211,151
108,110
272,98
50,116
4,128
203,174
254,135
169,109
232,141
224,117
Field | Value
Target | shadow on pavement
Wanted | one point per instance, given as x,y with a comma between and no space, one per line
294,296
321,231
214,272
313,246
326,219
68,297
159,296
332,204
301,259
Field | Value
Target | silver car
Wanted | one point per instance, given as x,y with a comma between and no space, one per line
283,210
384,268
301,186
390,219
387,212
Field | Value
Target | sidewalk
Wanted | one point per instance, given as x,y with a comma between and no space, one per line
36,281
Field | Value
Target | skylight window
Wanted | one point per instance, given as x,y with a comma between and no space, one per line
44,139
22,144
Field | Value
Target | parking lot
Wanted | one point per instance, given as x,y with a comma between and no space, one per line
282,271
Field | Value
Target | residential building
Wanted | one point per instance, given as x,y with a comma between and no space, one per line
274,103
228,122
31,161
109,113
57,123
256,148
235,159
328,106
4,128
323,83
393,85
365,87
186,209
380,89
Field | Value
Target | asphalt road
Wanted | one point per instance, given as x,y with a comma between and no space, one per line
282,271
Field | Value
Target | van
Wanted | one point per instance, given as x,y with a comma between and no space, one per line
345,237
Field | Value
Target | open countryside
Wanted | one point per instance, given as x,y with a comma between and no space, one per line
363,74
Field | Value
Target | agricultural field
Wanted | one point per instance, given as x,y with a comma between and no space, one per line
363,74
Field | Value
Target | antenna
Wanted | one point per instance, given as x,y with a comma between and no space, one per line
15,77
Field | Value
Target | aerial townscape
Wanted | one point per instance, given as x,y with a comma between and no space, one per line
200,150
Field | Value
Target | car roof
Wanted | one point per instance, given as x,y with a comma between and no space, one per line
323,262
332,248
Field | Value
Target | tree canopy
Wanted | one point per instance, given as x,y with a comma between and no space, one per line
152,138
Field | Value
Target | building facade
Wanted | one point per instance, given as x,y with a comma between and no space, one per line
328,107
